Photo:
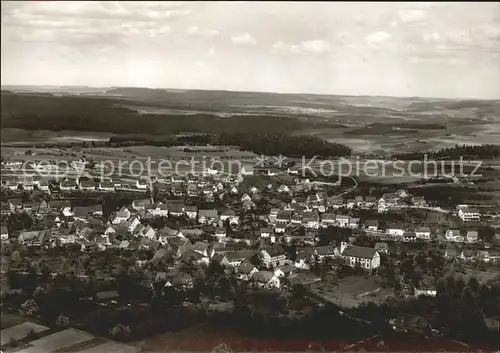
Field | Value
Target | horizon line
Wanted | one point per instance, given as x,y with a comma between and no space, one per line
250,91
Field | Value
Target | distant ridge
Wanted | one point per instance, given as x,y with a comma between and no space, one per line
111,90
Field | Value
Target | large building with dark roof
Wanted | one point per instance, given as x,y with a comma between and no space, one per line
367,258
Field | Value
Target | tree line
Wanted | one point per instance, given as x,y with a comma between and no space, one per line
455,152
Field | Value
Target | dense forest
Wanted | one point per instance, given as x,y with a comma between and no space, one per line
55,113
455,152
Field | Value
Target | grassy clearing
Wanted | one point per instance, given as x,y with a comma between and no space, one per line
351,291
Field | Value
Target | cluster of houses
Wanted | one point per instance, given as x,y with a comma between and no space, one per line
130,227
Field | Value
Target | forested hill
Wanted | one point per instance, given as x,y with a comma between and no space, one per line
455,152
56,113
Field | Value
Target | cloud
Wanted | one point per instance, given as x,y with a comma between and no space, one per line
316,46
411,15
378,37
195,31
210,52
246,39
88,23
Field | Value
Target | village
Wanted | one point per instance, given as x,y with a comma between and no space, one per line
271,229
248,220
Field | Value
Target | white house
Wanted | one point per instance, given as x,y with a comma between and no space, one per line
467,214
265,232
280,228
367,258
472,236
454,235
191,211
4,234
141,184
395,229
342,221
159,210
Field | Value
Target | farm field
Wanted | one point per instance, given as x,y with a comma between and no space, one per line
65,341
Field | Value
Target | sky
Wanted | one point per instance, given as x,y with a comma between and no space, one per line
417,49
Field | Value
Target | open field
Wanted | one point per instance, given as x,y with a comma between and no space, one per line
20,331
350,291
65,341
378,125
59,340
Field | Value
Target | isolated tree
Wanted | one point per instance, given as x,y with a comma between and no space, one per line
29,307
120,331
62,320
264,258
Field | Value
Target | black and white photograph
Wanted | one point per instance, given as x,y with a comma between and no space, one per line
250,176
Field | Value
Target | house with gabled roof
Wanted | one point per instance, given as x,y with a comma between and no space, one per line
147,232
342,220
235,258
88,185
230,215
382,248
140,204
207,216
311,220
121,215
367,258
328,219
28,237
4,233
266,279
276,256
191,211
469,214
176,209
106,185
335,203
82,213
283,216
472,236
454,235
15,204
371,225
423,233
5,208
327,251
353,222
68,185
158,209
395,229
246,270
191,256
60,206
